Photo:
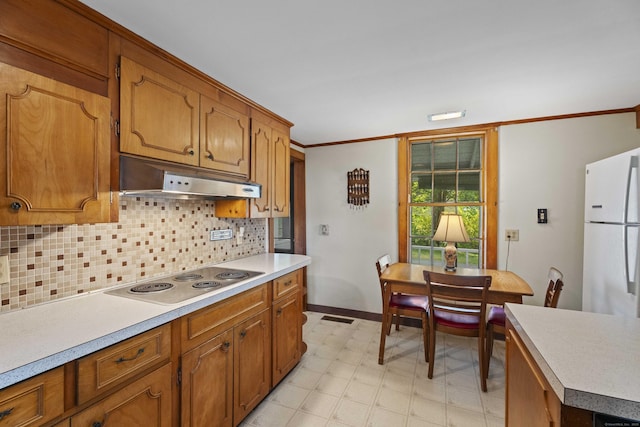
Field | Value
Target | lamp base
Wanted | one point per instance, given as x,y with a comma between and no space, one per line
451,257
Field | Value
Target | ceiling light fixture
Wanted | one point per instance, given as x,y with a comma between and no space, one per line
446,116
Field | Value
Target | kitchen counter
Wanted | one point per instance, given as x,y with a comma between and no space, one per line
43,337
592,361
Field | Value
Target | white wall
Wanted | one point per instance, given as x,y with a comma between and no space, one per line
541,166
342,271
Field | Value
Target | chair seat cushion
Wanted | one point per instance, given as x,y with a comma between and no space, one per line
409,302
459,321
496,316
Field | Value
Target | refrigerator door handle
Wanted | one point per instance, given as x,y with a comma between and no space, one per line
631,198
631,257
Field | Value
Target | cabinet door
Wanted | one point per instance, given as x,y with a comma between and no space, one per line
287,336
145,402
224,138
158,116
252,363
261,164
280,184
207,383
56,140
530,399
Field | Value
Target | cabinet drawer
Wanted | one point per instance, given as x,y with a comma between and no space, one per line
208,322
34,401
116,364
286,284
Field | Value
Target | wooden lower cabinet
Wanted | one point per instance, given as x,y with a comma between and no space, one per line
230,356
207,383
252,364
119,363
34,401
145,402
530,400
287,336
226,377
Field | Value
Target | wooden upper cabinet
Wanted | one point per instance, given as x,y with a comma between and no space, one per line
224,138
158,116
51,30
270,168
57,144
280,184
261,168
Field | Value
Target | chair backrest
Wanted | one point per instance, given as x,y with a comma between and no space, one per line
382,263
553,288
458,295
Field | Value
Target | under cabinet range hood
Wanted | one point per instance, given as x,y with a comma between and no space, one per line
153,178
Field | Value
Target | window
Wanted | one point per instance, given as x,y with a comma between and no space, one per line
448,173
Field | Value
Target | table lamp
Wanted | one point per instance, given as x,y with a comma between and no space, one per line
451,230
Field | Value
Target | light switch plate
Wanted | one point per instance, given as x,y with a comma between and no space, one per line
4,269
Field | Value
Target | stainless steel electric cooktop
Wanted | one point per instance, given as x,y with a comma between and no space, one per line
183,286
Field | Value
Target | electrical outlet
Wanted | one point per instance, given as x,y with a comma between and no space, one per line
4,269
225,234
513,235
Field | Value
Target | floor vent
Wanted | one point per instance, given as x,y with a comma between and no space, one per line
337,319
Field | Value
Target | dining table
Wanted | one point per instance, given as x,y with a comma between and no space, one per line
407,278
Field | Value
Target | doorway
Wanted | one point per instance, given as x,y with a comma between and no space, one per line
289,234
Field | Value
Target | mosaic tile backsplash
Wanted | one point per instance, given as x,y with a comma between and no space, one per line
154,237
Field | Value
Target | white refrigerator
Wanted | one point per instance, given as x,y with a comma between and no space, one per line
611,236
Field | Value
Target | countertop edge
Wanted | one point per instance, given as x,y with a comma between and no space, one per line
161,315
570,395
548,373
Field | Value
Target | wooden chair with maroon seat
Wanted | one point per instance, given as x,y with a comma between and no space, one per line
457,306
496,318
401,305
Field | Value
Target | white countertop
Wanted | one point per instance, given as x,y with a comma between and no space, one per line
45,336
591,360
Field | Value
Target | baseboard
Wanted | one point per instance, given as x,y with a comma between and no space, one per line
345,312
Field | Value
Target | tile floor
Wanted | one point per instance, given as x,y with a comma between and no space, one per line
339,382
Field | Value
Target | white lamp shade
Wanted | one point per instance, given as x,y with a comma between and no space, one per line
451,229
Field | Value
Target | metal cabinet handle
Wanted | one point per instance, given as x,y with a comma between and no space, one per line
191,152
279,312
5,413
210,156
16,206
288,282
96,424
226,345
125,359
243,334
